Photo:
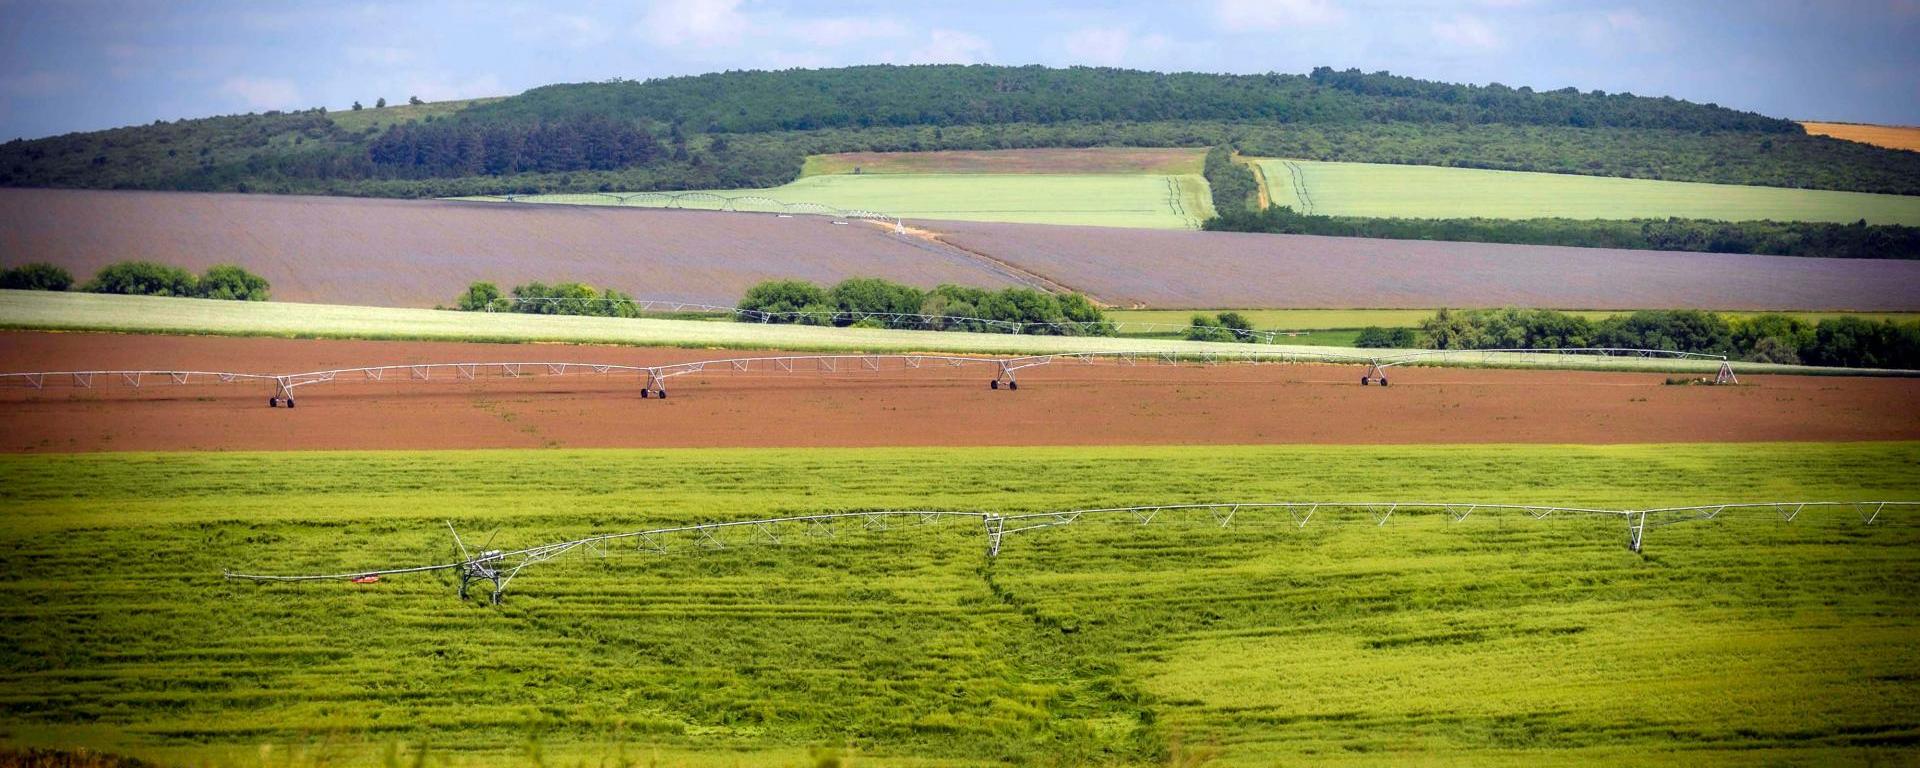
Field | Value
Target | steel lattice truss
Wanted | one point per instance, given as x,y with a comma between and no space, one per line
499,567
654,377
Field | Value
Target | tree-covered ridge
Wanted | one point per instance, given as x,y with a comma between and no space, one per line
682,133
889,95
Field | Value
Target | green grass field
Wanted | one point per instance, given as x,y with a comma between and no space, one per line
1497,640
1110,200
1418,191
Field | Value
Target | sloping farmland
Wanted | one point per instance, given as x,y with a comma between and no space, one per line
1130,267
414,253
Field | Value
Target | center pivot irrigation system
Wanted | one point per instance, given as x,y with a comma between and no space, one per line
655,376
499,567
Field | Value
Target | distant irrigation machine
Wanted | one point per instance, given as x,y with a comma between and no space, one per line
1004,369
497,568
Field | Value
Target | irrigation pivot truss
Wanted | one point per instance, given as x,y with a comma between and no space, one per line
498,567
655,376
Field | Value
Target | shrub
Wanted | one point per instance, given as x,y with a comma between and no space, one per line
226,281
776,297
1376,337
482,297
36,277
143,278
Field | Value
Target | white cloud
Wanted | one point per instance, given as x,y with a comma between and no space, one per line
946,46
577,31
846,30
1624,29
1469,33
1114,47
262,92
385,56
681,23
1274,15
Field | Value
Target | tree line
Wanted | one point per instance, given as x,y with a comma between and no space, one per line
1858,240
948,95
143,278
870,302
1847,340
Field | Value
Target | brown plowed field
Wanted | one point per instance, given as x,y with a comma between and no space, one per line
1202,270
1066,404
418,253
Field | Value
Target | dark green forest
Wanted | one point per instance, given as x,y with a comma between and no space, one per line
754,129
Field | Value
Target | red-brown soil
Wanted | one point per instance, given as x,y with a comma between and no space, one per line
1056,405
1174,269
418,253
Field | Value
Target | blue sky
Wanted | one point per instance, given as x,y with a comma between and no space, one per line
87,65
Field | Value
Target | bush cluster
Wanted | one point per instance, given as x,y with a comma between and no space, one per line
1226,326
1234,187
1770,338
1376,337
36,277
146,278
876,303
537,298
1858,240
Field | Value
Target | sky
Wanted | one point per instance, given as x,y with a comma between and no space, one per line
81,65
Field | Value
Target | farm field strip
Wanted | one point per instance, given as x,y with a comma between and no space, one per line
1152,201
1170,269
1250,644
1351,319
1417,191
1121,160
1889,136
1060,404
40,310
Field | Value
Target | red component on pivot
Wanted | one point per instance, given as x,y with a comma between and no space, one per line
368,579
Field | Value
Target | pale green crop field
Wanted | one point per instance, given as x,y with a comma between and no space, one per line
1499,640
1420,191
42,310
1108,200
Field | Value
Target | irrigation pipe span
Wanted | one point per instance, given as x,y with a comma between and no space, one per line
499,567
656,376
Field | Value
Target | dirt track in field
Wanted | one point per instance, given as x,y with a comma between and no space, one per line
1065,404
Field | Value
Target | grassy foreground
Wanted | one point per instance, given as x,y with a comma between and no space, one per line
1495,640
1418,191
41,310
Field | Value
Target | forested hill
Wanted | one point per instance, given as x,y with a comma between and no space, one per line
864,97
745,129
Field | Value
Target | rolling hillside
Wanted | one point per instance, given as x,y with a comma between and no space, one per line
752,129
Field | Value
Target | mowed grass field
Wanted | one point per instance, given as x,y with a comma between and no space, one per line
1122,160
1418,191
1152,201
1496,640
